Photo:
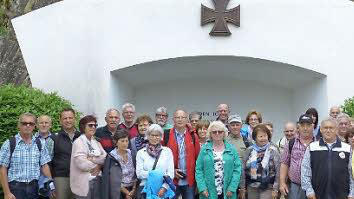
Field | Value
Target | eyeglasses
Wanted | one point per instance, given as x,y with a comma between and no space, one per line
27,124
217,132
180,118
254,119
92,125
161,115
155,135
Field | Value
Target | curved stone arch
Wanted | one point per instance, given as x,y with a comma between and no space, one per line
280,91
84,47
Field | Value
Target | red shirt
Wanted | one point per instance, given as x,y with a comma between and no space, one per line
133,130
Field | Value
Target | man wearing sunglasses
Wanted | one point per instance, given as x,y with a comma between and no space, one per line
22,158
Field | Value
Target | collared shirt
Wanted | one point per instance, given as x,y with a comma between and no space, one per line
133,130
49,143
167,126
297,154
238,143
128,170
26,160
180,138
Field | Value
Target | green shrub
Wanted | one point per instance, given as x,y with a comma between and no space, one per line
348,106
15,100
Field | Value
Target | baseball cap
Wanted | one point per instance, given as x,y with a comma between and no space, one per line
305,118
234,118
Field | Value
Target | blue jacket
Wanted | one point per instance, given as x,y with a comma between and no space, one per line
153,185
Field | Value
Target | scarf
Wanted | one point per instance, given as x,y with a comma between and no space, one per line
140,141
153,150
91,145
252,162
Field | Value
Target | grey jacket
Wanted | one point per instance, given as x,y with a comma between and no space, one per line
111,178
133,148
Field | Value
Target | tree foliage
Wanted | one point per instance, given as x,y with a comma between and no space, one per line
15,100
348,106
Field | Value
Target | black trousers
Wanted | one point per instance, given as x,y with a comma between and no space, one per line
23,190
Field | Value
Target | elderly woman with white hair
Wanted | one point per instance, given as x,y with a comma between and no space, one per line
218,169
154,157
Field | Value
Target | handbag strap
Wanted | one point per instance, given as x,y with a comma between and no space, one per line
156,160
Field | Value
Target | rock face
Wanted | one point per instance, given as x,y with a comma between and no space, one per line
12,66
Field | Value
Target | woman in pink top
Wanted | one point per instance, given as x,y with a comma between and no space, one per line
87,159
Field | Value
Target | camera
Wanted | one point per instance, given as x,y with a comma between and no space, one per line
182,174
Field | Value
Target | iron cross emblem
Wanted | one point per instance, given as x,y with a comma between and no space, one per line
221,16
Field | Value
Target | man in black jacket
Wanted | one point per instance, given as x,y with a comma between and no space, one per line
62,154
326,171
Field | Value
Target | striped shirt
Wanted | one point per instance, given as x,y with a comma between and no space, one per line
26,159
182,156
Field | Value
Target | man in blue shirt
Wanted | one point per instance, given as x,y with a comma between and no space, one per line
20,170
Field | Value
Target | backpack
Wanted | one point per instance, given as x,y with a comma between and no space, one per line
166,137
13,146
291,145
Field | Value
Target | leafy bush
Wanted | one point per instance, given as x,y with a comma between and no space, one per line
15,100
348,106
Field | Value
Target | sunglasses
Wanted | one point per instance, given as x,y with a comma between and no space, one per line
92,125
27,124
217,132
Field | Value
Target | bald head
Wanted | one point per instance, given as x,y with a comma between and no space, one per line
289,130
223,112
180,119
334,111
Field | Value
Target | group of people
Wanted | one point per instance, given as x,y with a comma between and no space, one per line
193,158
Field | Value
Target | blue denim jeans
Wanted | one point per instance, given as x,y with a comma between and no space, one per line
295,192
23,190
186,191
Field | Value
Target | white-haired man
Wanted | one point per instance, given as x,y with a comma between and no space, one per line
161,118
289,133
128,112
326,166
223,111
334,111
343,125
105,133
22,158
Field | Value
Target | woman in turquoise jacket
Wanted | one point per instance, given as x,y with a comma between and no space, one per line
218,168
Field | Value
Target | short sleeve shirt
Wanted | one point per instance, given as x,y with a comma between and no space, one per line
297,154
26,160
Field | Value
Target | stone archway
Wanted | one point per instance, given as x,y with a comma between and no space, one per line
280,91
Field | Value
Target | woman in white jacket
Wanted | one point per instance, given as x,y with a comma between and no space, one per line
87,159
146,158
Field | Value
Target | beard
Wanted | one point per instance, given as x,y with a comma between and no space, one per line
161,123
